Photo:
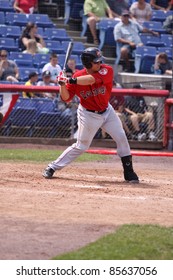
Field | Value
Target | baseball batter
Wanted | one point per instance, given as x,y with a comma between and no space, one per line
93,86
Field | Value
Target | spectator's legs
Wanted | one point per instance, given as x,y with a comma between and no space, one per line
149,119
125,57
92,26
135,122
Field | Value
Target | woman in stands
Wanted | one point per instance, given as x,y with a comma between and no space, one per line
8,68
25,6
141,11
30,32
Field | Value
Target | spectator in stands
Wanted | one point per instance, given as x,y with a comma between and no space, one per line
142,120
168,24
33,78
25,6
162,64
118,6
160,4
53,67
31,47
72,65
8,68
141,11
30,32
96,9
126,33
46,81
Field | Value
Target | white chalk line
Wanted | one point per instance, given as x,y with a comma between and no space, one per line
57,193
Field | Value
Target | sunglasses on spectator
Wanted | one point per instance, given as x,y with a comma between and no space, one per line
3,55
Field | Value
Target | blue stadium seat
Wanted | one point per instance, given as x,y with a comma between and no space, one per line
6,6
43,105
166,50
73,10
21,120
12,31
158,15
39,60
46,124
59,34
8,44
144,59
22,59
61,59
16,19
42,20
167,39
155,26
24,73
106,28
2,18
78,48
54,46
152,41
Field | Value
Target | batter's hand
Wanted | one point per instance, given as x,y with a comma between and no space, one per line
62,79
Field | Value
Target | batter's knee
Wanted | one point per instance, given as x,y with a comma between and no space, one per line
82,145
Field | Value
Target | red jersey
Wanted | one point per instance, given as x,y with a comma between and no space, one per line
25,5
96,96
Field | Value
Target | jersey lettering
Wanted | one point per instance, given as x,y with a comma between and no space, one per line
94,92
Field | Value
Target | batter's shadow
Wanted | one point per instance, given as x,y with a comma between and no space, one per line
142,184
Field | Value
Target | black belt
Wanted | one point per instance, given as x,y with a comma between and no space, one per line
96,112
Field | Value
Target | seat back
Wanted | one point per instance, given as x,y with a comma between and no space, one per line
158,15
78,48
42,20
54,46
22,59
16,19
2,17
152,41
12,31
167,39
106,28
24,73
39,60
8,44
144,59
156,26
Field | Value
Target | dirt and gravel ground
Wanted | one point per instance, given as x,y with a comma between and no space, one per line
42,218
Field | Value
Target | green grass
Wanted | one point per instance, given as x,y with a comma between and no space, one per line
129,242
36,155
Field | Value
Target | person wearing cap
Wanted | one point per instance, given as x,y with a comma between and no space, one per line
46,81
126,35
93,86
33,78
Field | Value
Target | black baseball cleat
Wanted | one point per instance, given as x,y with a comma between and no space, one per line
48,173
131,177
129,174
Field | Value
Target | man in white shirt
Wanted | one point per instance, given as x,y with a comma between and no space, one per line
53,67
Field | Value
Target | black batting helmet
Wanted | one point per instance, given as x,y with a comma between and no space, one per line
91,55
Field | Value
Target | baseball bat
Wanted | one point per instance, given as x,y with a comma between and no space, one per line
68,53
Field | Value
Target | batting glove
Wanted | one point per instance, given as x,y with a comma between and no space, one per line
62,79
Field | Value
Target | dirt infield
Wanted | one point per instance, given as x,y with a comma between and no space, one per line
42,218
